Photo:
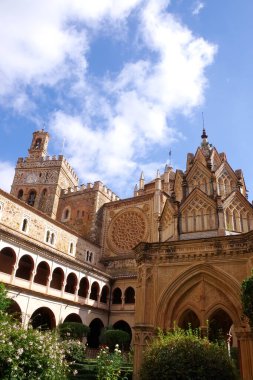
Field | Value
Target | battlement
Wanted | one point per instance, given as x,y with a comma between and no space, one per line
55,160
97,186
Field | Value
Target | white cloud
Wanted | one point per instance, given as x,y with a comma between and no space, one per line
125,114
197,7
6,175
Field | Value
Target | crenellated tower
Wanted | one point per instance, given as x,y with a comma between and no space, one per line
40,178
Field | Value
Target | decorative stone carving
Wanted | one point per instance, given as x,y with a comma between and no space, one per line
126,230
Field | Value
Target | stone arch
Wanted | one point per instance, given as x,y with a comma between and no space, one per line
83,287
129,295
57,279
124,326
15,310
71,283
73,317
200,274
42,273
7,260
94,292
25,267
117,296
219,322
104,294
43,318
189,318
96,327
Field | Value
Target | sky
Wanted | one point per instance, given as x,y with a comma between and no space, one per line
118,84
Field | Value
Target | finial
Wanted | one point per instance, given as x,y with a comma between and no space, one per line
204,135
142,175
158,174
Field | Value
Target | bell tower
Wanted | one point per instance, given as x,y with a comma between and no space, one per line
39,178
38,148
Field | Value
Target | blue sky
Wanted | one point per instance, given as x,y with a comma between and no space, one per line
119,83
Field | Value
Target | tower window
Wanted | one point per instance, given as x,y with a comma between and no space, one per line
31,198
66,214
37,144
20,194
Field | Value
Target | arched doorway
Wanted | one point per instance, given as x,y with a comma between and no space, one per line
57,279
188,320
83,287
95,330
94,291
129,295
219,325
7,260
73,317
42,273
43,319
71,283
15,311
104,294
124,326
25,267
117,296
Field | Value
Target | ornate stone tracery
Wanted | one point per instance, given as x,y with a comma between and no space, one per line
126,230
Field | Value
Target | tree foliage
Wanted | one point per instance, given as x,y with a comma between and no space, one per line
111,337
183,355
73,330
247,299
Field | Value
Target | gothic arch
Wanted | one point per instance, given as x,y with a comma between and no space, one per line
167,310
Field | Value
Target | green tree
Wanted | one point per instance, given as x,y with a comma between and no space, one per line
247,299
183,355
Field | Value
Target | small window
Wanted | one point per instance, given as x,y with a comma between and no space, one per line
52,239
66,214
25,225
47,236
78,213
82,213
20,194
71,248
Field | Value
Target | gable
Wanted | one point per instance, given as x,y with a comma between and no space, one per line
197,200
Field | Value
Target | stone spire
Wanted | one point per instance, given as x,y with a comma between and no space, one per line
141,182
205,146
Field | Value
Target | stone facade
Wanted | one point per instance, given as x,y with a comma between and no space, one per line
175,252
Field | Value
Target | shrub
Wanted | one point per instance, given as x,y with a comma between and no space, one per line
73,330
111,337
183,355
74,350
247,299
28,354
109,364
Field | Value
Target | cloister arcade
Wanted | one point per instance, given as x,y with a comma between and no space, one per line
38,273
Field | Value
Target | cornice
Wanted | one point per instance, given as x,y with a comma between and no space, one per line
236,247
